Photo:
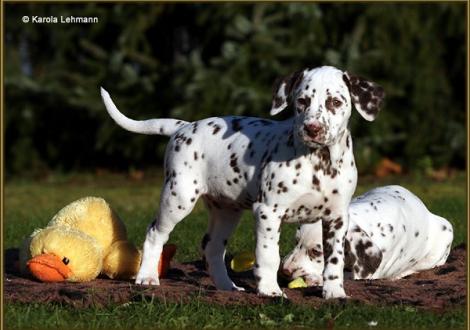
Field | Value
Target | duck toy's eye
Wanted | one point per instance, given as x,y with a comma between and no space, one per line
65,261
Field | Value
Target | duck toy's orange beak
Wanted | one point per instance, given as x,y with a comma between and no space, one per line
48,268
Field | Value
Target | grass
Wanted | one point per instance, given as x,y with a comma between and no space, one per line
151,315
30,205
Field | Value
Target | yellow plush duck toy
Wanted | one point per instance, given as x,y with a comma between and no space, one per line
81,241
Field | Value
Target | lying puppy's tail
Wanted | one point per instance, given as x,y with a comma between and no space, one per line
162,126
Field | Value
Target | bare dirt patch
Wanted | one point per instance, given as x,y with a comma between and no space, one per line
438,289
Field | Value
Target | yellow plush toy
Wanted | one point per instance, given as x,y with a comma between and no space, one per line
81,241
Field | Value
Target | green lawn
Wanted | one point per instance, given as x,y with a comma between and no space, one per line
151,315
30,205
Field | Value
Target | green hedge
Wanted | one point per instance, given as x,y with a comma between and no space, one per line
192,61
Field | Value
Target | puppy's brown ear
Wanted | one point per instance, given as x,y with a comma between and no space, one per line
283,89
366,96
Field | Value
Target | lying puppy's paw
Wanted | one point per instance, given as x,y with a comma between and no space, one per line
314,280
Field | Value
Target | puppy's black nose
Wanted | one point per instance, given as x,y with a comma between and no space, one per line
314,129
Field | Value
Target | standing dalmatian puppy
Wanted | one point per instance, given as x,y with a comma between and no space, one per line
298,170
391,234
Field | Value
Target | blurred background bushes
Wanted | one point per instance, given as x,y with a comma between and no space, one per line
192,61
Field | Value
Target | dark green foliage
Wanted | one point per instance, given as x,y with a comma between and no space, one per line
192,61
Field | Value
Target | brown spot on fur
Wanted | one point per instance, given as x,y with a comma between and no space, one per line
369,263
315,180
216,129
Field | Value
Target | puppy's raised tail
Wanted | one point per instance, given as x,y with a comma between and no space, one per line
164,126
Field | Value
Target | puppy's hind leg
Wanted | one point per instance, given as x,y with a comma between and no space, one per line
222,223
362,255
176,202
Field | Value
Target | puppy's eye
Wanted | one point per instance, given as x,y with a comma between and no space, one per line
65,261
337,103
302,103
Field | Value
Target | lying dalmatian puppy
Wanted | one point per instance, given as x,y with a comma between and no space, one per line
298,170
391,234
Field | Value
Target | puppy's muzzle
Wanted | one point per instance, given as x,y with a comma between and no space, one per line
287,272
314,130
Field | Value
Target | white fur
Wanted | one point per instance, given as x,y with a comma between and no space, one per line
396,222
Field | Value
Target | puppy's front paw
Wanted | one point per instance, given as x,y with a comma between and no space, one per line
147,280
331,291
270,291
